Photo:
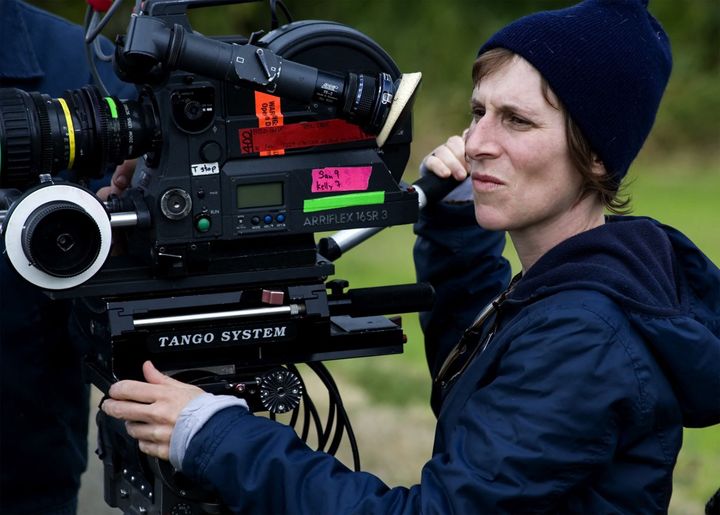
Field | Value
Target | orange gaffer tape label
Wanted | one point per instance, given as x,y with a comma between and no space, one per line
269,114
299,135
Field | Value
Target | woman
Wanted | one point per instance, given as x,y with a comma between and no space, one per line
569,391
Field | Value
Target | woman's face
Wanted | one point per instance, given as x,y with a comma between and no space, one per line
520,164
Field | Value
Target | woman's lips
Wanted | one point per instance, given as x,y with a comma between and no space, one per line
484,182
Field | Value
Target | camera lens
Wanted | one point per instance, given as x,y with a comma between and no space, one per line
80,131
61,239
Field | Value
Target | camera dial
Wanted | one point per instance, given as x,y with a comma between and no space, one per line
175,204
57,235
61,239
280,390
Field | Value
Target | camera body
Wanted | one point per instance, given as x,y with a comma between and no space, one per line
241,173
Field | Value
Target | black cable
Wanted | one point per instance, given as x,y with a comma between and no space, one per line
306,421
337,438
286,12
94,31
90,55
332,421
296,412
323,435
311,413
274,22
334,396
93,25
346,421
327,379
312,410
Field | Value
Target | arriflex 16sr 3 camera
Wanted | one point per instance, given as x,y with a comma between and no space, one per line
246,149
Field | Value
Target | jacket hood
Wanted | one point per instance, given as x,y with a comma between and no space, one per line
667,287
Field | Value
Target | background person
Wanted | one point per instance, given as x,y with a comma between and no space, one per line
43,394
570,391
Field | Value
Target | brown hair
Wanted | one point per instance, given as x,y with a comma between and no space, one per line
581,154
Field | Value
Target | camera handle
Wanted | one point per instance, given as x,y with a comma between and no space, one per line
430,189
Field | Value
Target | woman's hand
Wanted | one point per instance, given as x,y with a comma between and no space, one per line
449,159
120,180
150,409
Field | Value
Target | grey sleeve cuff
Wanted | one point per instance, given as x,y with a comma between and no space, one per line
192,418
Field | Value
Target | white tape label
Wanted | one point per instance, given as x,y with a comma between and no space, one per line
205,169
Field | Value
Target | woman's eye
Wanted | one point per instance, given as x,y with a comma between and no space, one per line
519,122
478,113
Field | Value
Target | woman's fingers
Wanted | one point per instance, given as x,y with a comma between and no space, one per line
154,376
158,450
128,410
121,178
150,409
448,159
135,391
156,433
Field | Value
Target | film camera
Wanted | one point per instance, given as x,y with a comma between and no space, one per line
247,148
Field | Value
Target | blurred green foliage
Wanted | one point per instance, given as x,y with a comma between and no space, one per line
441,39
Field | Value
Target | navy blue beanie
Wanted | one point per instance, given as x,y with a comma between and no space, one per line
608,61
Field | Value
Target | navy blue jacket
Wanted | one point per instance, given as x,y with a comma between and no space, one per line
574,403
43,397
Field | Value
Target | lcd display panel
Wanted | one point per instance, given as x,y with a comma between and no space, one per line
267,194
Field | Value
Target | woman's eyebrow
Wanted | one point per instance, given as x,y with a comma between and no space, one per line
507,107
517,109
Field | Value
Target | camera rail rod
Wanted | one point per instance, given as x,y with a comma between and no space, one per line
126,219
291,309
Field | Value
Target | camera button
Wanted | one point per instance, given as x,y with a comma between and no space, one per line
268,219
202,224
280,218
211,151
255,220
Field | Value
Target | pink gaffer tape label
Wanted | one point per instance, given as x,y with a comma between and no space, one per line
348,178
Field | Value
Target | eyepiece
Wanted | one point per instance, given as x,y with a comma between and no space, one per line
371,101
362,99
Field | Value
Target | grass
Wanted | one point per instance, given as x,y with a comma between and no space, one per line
683,192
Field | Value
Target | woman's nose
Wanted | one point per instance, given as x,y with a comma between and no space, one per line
481,141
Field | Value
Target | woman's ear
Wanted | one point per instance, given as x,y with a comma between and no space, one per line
598,167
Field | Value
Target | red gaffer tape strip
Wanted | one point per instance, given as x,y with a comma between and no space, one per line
299,135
